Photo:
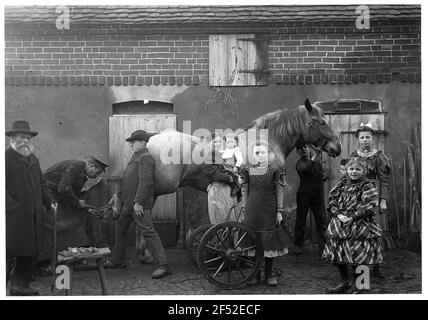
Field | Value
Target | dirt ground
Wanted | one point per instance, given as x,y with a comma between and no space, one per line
305,274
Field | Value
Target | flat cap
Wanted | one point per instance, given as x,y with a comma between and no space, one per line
98,163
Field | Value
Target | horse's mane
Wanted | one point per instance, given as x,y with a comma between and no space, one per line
286,122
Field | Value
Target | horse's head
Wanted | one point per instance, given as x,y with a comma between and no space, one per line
319,133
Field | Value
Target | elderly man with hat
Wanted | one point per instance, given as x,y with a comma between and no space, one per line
137,193
26,195
66,180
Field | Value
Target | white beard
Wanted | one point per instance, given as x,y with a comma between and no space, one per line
24,150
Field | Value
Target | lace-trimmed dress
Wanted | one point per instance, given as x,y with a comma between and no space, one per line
378,168
260,186
359,243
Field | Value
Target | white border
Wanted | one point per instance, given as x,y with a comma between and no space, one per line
211,297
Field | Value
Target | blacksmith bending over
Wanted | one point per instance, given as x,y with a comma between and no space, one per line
66,180
137,196
26,194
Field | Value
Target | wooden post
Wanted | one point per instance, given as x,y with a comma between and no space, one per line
412,175
102,275
395,200
405,195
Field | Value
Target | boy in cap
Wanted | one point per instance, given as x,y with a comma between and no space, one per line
137,193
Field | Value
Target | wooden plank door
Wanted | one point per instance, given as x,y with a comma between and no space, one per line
237,60
120,128
346,125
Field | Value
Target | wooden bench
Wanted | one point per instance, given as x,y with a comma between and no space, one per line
98,257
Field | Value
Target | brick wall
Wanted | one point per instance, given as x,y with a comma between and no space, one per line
299,53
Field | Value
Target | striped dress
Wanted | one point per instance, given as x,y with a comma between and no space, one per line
360,242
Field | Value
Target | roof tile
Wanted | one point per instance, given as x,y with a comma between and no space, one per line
201,14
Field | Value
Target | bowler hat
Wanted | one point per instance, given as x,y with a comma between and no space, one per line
21,126
140,135
98,163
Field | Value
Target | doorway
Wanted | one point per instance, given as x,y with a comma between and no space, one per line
344,116
136,115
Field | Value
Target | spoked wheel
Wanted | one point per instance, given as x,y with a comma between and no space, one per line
229,255
193,242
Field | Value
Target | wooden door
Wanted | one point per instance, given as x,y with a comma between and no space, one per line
346,125
120,128
237,60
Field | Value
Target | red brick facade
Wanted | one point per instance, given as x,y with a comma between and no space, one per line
177,54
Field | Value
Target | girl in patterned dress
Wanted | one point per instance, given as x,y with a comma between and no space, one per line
353,236
378,170
378,164
262,202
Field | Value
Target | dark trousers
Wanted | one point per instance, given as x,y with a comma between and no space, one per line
152,237
315,201
22,272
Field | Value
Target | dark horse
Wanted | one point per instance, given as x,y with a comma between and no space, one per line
286,128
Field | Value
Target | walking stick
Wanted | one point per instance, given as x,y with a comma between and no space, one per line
54,254
405,195
395,200
411,178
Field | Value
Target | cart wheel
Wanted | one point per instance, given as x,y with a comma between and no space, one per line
193,242
230,255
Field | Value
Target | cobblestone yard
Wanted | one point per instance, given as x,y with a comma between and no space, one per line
305,274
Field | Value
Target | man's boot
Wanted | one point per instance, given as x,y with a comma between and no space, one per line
161,271
146,257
